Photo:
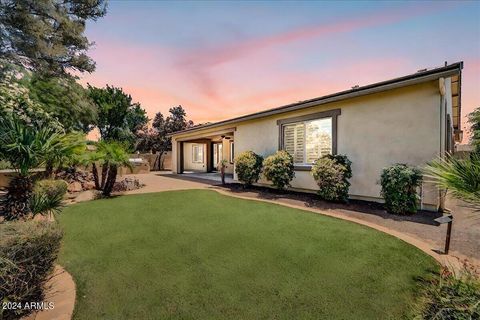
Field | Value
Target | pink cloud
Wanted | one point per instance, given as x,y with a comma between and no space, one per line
216,83
201,64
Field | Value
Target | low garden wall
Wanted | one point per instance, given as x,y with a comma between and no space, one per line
151,158
7,175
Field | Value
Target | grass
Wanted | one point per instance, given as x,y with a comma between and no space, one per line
201,255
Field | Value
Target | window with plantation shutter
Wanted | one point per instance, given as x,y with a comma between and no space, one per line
294,141
309,140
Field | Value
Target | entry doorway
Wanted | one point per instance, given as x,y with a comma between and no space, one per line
217,154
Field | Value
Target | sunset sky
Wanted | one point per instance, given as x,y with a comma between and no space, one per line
225,59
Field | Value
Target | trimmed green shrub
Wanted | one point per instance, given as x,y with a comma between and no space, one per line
279,169
450,296
399,188
28,251
331,172
248,166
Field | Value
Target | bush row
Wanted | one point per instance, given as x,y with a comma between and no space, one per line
332,173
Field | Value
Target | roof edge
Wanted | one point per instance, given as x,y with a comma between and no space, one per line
410,79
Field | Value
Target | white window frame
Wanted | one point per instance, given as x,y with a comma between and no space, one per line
195,146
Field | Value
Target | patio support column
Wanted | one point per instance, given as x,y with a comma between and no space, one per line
209,152
181,158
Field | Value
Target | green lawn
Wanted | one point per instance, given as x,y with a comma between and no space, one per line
201,255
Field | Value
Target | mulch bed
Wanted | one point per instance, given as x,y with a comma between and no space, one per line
311,200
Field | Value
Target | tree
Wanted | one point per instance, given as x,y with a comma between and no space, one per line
118,117
26,147
157,139
111,156
15,100
48,35
63,99
177,120
474,120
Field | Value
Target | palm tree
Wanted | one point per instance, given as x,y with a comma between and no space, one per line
460,176
66,150
111,155
26,148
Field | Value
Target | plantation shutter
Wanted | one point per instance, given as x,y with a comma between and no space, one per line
294,141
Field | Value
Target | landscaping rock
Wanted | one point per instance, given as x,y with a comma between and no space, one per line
127,184
88,185
74,187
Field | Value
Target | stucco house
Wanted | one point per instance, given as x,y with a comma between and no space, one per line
411,119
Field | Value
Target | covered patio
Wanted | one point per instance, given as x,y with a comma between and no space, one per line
201,156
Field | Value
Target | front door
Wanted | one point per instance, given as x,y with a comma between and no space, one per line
217,154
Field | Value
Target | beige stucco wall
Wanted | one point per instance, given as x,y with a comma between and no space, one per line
226,156
397,126
188,158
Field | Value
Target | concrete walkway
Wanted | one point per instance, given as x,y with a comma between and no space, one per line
61,293
420,227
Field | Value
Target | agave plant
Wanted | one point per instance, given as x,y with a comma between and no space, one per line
459,176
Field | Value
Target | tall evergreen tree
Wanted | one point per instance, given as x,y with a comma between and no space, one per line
48,35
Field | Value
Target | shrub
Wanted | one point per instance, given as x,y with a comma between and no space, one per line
450,296
331,172
248,166
279,169
48,196
5,165
28,251
51,187
399,188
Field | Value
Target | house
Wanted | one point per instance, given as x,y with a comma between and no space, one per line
412,119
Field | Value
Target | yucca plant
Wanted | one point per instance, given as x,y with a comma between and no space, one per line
461,177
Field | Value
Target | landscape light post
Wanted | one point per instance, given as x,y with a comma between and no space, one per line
449,220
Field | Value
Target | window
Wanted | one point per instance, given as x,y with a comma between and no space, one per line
217,153
197,153
308,140
232,151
